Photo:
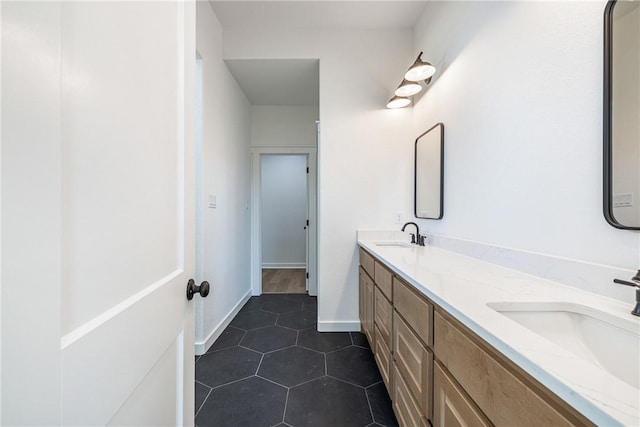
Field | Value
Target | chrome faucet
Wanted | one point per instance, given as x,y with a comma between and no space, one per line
415,238
635,283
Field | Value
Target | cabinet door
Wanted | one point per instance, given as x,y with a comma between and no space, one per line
383,315
452,407
361,297
368,311
415,363
404,405
383,359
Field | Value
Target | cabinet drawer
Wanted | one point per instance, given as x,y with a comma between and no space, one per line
404,405
384,280
451,405
415,310
366,261
505,394
383,358
383,313
415,364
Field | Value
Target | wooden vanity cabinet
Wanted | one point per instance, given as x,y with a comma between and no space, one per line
438,371
504,393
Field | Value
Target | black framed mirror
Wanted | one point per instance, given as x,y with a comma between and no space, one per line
622,114
429,173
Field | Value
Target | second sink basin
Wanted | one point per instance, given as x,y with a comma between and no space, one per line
598,337
391,244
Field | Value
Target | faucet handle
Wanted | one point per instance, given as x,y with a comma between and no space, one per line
413,237
635,281
626,283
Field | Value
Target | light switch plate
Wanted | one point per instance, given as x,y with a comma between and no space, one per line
212,201
398,217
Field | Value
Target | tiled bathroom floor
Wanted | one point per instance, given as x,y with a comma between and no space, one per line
271,367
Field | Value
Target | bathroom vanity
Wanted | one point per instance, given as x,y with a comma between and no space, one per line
454,348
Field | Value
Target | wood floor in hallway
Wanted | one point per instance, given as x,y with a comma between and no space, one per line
283,280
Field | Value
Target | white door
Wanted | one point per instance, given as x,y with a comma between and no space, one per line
307,228
97,213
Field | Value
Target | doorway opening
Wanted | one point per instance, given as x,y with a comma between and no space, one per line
284,211
284,220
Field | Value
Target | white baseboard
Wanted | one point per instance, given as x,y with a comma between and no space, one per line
339,326
203,346
284,265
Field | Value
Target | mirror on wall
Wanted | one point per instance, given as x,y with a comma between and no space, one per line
429,168
622,114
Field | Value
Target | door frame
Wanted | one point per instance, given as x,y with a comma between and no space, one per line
256,214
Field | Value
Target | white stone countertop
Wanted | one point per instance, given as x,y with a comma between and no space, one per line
463,286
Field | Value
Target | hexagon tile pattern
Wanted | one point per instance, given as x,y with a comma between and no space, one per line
271,367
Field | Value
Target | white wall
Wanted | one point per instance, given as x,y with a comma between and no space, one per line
283,125
284,211
365,173
519,89
224,231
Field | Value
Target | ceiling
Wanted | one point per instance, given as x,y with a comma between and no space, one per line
296,81
277,81
318,14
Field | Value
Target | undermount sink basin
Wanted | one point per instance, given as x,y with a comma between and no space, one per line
393,244
600,338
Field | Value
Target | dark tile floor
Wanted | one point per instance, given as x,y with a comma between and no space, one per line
271,367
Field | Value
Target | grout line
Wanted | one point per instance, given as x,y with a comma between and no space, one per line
259,364
369,403
372,385
326,369
272,382
231,382
347,382
250,349
308,381
278,349
351,337
203,402
286,402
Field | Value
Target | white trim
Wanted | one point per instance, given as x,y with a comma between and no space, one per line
339,326
203,346
284,265
256,234
282,149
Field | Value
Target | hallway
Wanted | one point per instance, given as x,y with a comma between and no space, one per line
283,280
271,367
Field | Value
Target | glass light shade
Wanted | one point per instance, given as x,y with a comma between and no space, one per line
398,102
408,88
420,70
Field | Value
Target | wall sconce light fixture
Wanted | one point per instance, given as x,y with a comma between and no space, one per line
419,71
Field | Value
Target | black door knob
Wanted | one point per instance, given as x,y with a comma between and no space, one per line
192,289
